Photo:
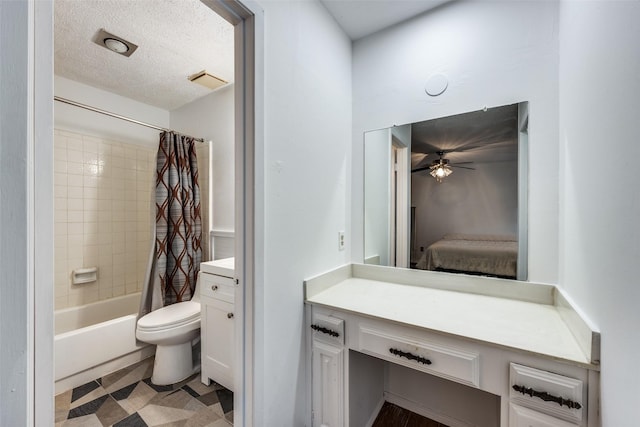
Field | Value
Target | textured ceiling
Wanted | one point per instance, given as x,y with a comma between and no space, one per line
175,38
478,136
360,18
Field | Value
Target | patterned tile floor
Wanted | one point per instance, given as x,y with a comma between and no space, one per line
127,398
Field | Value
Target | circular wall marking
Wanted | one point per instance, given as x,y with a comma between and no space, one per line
436,85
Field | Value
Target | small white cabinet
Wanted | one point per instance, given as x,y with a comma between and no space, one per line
328,355
544,399
217,291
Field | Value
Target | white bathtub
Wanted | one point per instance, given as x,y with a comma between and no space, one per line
95,339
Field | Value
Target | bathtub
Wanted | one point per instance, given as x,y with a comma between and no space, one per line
95,339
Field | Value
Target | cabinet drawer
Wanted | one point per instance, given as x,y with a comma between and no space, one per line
553,394
420,354
327,328
218,287
523,417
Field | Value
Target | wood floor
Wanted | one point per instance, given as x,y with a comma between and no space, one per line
394,416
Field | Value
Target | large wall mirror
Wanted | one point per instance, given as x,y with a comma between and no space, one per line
450,194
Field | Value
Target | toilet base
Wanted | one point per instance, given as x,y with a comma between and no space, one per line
173,363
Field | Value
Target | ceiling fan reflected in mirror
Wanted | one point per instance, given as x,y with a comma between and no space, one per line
441,168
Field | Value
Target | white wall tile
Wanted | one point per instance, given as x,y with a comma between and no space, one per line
74,156
60,166
75,216
61,302
59,153
75,168
103,191
74,143
60,215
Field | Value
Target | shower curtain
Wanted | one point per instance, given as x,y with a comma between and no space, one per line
176,253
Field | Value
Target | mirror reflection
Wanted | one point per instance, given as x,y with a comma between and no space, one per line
449,194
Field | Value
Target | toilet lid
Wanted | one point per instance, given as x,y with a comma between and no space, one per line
172,315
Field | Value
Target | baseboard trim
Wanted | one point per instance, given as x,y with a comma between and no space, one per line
375,413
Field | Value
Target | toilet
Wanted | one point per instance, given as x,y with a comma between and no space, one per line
173,329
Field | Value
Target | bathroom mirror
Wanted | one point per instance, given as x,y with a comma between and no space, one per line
449,194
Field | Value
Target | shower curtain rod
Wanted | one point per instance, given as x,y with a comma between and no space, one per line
117,116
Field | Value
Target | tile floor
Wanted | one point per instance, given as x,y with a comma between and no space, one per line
127,398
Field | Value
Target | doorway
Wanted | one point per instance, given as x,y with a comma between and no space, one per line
41,369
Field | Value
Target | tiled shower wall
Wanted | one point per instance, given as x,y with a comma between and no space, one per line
103,214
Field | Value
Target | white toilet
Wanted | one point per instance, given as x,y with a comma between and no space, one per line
173,329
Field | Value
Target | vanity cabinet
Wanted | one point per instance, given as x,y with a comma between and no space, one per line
523,417
328,356
540,398
454,357
217,294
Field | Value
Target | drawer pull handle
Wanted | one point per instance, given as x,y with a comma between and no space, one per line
229,315
214,288
547,397
325,330
410,356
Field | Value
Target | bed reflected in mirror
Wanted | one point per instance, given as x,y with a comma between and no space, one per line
449,194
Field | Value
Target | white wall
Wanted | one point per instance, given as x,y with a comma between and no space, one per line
211,117
494,53
15,311
306,191
377,186
76,119
600,212
480,201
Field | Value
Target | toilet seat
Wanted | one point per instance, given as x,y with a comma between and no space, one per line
171,316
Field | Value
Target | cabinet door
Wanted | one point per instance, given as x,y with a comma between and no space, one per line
524,417
218,327
328,385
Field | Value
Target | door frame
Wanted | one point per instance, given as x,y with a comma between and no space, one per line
247,17
248,20
523,192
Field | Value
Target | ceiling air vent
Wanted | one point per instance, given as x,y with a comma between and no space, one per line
207,80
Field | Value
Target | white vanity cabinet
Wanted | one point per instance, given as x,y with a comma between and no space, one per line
217,293
540,398
328,356
516,362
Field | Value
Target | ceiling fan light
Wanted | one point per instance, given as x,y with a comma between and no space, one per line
440,171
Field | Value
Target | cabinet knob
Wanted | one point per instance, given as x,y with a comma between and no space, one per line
229,315
214,288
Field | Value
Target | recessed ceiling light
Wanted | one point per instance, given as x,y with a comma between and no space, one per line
114,43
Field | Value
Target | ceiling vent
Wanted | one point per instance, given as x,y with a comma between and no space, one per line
207,80
114,43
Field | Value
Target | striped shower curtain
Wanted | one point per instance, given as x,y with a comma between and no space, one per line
175,261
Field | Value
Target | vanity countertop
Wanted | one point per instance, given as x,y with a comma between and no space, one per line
533,327
221,267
